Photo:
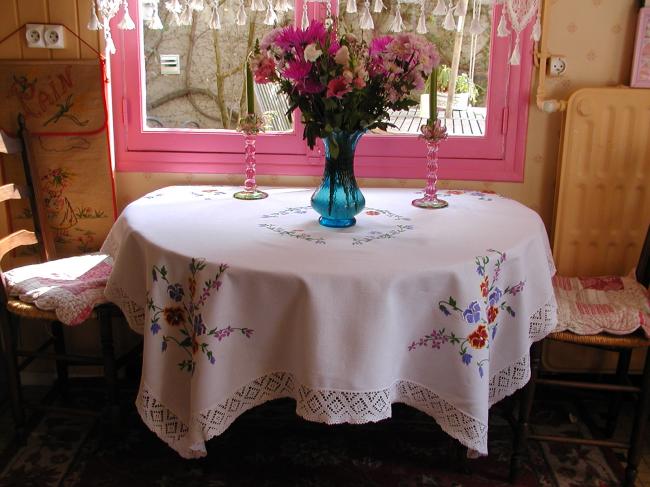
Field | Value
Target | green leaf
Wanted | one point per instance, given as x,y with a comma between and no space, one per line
452,301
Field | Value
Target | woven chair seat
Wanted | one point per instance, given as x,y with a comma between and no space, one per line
26,310
633,340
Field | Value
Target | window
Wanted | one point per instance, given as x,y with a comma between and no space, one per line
179,91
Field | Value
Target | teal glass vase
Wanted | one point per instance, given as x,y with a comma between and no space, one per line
338,198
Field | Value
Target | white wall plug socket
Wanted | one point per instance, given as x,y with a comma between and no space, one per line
556,66
34,35
53,36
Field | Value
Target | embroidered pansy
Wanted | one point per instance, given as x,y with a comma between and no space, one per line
492,314
473,313
479,337
176,292
495,296
174,315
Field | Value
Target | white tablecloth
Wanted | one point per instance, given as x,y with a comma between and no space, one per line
241,302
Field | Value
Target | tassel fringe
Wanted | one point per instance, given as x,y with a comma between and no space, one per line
502,29
240,18
378,6
441,8
93,22
271,18
449,23
351,6
515,59
365,21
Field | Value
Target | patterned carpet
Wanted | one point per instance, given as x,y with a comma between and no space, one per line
270,446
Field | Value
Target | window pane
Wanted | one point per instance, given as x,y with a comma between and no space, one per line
468,105
194,74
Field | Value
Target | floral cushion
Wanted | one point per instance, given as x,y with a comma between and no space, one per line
70,287
612,304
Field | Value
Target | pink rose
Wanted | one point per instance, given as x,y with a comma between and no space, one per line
338,87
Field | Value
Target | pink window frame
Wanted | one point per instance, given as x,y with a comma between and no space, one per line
498,156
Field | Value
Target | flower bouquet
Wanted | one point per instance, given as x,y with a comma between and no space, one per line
343,88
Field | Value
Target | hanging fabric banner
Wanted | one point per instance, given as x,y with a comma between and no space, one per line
65,113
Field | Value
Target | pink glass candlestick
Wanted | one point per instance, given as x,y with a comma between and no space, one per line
250,191
430,199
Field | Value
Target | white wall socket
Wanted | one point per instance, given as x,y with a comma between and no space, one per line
45,36
54,37
556,66
34,35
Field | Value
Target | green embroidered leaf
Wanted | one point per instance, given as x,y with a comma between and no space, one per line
187,342
452,302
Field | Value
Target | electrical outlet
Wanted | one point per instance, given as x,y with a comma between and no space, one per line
556,66
34,35
54,37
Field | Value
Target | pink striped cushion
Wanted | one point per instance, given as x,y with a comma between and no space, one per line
70,287
591,305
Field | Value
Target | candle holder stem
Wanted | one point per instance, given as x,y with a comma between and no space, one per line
250,191
430,199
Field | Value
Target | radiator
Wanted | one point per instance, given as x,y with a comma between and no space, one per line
602,198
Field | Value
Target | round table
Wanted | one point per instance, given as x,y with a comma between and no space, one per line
241,302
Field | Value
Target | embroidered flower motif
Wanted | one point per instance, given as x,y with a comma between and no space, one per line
485,287
492,314
473,313
176,292
479,337
485,325
495,296
185,319
174,315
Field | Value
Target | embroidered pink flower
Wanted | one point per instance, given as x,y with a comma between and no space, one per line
338,87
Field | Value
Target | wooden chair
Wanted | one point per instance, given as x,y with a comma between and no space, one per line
13,310
623,345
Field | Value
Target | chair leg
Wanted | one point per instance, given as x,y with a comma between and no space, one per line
61,365
525,406
638,429
622,368
10,326
110,366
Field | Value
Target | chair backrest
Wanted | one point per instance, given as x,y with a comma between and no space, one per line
643,267
41,235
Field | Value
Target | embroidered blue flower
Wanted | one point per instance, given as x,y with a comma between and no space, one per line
494,331
466,358
199,325
154,275
473,313
444,310
480,371
164,345
176,292
155,327
495,296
